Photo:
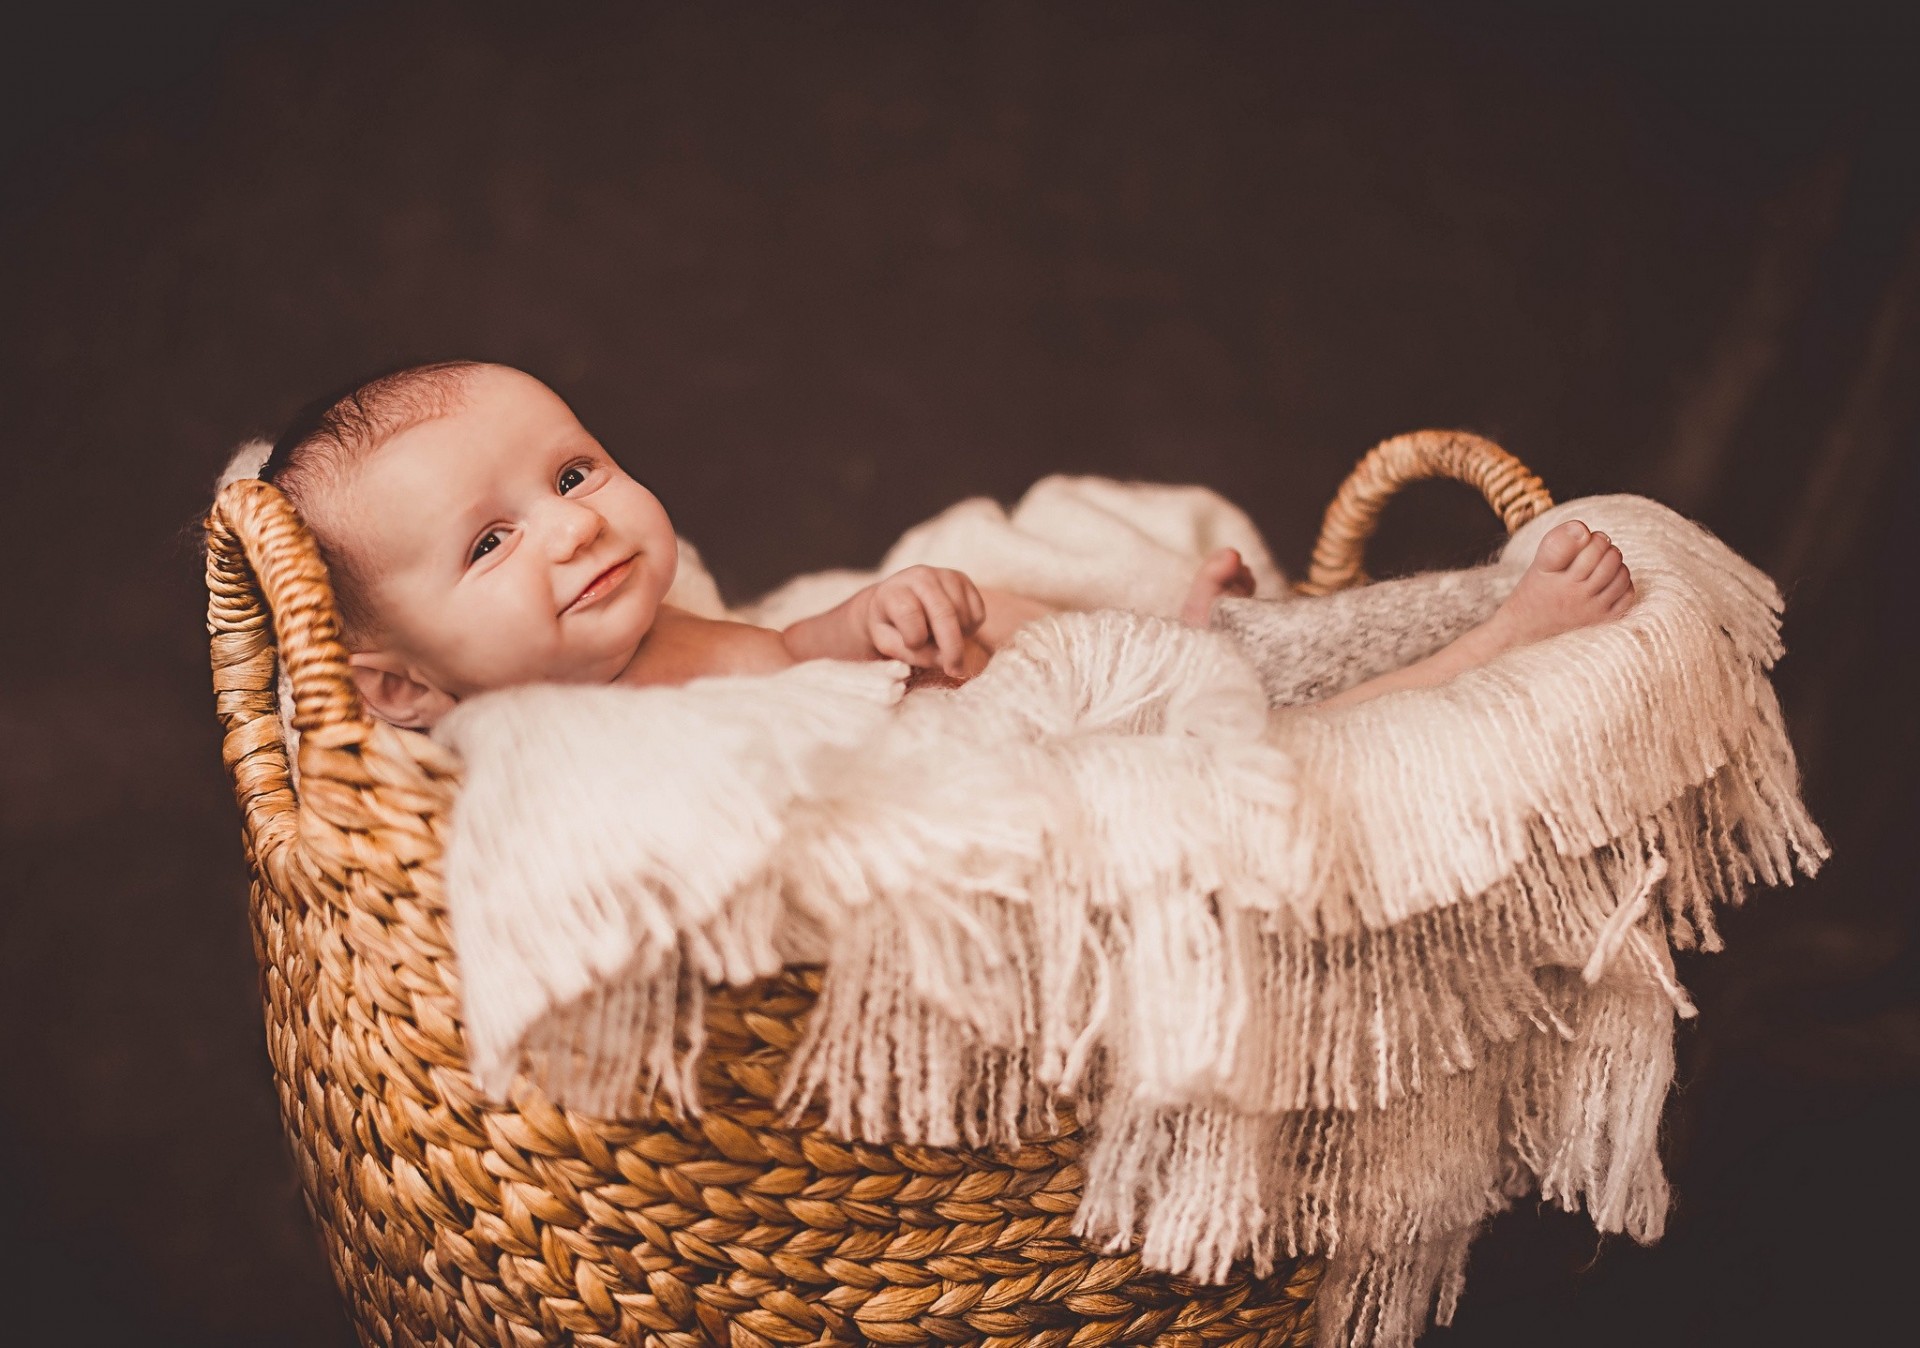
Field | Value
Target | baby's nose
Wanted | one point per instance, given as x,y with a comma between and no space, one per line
575,527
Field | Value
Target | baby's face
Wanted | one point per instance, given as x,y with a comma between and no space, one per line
505,547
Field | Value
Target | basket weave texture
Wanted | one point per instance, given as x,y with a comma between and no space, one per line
449,1219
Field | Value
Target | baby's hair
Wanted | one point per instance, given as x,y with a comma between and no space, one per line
329,437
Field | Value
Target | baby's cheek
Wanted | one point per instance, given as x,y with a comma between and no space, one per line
497,647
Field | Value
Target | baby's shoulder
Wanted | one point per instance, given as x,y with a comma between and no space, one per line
683,646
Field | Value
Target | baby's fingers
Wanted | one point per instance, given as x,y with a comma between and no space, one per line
944,621
969,604
887,643
901,615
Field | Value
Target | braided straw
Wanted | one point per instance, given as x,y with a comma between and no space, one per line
450,1220
1515,494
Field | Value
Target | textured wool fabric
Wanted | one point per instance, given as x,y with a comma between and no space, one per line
1341,981
1307,651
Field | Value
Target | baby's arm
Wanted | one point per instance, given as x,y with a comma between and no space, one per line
922,615
925,615
1007,613
1222,573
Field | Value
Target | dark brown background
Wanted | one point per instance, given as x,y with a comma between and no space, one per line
815,271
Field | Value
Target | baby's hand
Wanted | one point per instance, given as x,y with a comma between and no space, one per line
924,615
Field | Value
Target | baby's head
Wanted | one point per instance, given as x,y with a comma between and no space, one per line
477,536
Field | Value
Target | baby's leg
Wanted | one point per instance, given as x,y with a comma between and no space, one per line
1309,649
1578,578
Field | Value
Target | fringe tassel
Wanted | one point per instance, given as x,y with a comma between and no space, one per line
575,925
1429,796
1395,1195
1342,981
1377,1298
1349,986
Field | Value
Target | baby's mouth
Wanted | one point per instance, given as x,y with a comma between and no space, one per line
600,586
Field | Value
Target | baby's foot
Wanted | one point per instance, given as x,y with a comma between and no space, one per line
1578,578
1222,573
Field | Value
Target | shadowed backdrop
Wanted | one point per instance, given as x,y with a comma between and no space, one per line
814,272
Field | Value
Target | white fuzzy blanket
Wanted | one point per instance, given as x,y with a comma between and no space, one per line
1340,981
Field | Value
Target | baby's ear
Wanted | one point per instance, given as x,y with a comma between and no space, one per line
394,691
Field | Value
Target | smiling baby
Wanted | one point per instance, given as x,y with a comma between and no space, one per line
479,537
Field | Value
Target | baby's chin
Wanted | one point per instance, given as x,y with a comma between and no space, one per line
617,654
604,662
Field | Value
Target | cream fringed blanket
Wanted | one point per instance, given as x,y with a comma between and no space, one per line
1315,981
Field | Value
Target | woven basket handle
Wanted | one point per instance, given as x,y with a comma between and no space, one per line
266,583
1515,494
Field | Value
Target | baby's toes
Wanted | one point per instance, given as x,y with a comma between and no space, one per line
1221,567
1619,595
1610,566
1582,567
1561,545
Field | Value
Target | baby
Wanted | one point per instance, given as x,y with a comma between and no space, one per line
478,537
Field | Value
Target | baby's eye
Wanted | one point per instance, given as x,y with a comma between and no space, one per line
488,542
571,478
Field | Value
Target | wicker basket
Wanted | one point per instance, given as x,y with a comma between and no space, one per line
450,1220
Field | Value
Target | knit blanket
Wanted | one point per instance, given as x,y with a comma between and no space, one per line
1324,981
